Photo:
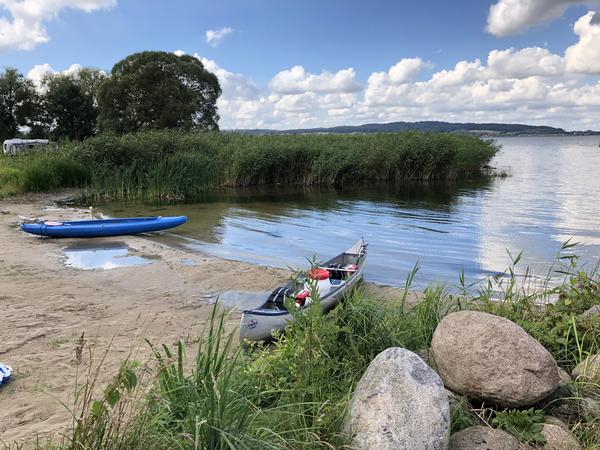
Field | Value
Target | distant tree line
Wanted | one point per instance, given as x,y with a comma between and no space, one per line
144,91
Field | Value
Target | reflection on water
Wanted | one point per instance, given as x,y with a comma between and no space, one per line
552,195
102,255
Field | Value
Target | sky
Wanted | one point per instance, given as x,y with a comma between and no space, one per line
313,63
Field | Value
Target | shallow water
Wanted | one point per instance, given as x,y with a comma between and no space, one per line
553,195
102,255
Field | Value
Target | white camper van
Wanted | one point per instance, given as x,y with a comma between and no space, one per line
18,146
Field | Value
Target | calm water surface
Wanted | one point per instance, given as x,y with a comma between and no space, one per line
553,195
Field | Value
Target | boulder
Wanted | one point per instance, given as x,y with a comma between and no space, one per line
484,438
490,358
588,369
559,438
593,311
564,377
556,421
399,403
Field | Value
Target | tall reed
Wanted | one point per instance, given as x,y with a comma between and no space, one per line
175,165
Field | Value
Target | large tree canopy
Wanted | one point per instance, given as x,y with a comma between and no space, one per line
152,90
69,107
19,103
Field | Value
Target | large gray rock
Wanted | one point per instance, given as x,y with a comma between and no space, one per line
559,438
588,369
399,403
491,358
484,438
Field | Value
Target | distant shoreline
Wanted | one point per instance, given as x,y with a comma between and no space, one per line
478,129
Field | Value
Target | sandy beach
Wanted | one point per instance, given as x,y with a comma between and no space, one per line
46,305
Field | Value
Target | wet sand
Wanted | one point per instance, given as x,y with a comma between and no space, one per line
46,306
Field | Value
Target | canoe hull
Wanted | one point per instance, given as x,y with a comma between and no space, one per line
102,228
259,325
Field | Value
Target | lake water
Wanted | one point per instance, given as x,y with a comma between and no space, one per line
552,195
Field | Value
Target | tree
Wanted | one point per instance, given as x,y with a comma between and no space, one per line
89,81
19,103
69,108
153,90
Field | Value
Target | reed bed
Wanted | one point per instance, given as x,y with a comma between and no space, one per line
170,165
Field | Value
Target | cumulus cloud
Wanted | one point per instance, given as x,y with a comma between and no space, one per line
530,85
215,37
527,62
233,85
296,80
513,16
24,26
584,57
37,73
405,70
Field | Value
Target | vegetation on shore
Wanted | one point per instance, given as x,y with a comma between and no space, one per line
172,165
294,394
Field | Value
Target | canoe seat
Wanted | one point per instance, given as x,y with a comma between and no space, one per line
278,295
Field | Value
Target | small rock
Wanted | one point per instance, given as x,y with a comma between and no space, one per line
588,369
593,311
491,358
564,377
484,438
399,403
558,438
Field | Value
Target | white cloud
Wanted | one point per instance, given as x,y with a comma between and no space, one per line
37,73
463,72
296,80
531,61
584,57
24,27
233,85
406,70
530,85
215,37
513,16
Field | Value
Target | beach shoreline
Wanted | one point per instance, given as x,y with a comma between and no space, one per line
46,307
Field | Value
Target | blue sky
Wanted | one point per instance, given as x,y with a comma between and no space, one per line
273,36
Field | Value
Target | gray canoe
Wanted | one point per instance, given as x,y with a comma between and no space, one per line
258,324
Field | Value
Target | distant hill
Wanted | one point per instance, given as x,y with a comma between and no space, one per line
480,129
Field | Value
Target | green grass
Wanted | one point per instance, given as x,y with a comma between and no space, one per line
170,165
294,393
42,171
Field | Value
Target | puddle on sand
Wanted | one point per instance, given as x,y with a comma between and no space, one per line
189,262
105,255
239,300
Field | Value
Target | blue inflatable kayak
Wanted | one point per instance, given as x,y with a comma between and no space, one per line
104,227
